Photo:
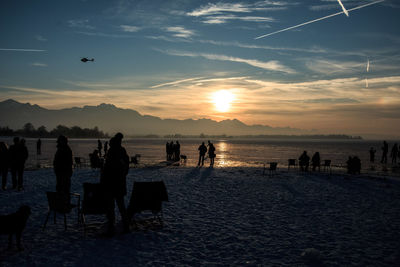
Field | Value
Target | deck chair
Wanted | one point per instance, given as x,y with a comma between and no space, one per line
61,203
291,162
94,201
147,196
271,169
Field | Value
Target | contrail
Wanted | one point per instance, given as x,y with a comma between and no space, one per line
315,20
21,50
344,9
368,65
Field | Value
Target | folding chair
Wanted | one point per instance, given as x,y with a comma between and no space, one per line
60,203
94,201
291,162
147,196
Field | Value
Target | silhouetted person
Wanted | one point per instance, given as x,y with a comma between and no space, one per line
95,161
394,152
372,152
202,152
177,151
211,153
115,170
105,148
18,154
304,161
316,161
4,164
39,147
63,164
385,149
99,147
353,165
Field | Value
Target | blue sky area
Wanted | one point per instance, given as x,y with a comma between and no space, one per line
169,58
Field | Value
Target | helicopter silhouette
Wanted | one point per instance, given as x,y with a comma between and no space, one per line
85,59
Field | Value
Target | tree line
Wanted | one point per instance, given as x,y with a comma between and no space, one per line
28,130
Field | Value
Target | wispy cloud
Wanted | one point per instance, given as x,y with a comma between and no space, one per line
180,32
80,23
272,65
129,28
219,13
225,18
40,38
38,64
102,34
176,82
22,50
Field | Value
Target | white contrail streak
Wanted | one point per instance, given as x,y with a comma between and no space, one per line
315,20
21,50
368,65
343,8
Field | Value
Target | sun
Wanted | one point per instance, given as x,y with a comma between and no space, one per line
222,100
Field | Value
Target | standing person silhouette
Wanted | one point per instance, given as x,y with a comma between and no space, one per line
394,152
4,164
202,152
316,161
372,152
99,146
18,155
177,151
211,153
105,148
39,147
63,166
115,170
385,149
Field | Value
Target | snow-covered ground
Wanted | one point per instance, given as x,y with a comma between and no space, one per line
222,216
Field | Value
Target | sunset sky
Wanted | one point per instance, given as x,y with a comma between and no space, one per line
171,58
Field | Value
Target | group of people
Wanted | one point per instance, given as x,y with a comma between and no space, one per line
394,154
13,159
202,153
304,161
173,151
113,176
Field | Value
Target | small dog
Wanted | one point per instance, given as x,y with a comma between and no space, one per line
184,158
15,223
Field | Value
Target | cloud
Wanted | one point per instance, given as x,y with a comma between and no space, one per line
175,82
80,23
40,38
102,34
225,18
272,65
180,32
22,50
38,64
219,13
129,28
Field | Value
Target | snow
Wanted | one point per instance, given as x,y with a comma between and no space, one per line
222,216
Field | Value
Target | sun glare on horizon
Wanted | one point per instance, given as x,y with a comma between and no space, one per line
222,100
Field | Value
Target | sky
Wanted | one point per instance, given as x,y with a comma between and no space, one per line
302,64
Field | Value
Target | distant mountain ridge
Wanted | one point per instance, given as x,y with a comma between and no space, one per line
111,119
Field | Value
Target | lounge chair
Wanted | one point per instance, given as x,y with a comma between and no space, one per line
60,203
147,196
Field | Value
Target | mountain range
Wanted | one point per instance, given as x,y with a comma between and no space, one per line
111,119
